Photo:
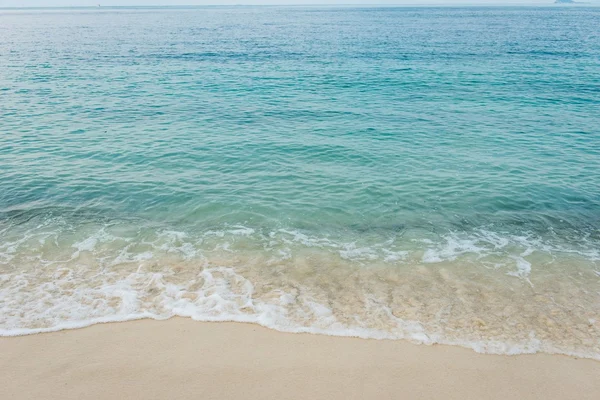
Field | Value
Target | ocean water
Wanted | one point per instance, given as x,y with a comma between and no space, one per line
430,174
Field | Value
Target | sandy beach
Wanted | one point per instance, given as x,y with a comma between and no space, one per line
184,359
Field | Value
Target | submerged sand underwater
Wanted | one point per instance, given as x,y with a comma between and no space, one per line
475,293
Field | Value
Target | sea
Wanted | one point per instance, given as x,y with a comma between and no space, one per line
427,174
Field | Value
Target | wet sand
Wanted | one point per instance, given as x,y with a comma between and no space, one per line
184,359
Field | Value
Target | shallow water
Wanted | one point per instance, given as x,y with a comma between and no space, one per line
430,174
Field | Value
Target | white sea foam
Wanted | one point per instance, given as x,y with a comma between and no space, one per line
452,248
216,301
294,282
351,252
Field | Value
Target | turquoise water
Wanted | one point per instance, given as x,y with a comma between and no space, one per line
430,174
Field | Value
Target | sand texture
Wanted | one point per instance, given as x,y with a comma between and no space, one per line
184,359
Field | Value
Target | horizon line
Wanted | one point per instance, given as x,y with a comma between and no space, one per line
458,3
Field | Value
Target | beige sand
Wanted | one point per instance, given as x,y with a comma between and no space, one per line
183,359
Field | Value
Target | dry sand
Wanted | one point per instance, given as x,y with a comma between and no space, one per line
183,359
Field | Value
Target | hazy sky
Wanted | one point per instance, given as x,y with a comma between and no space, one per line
52,3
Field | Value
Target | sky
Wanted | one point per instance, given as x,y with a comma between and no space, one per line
55,3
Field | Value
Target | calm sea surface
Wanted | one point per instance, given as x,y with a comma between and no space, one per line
430,174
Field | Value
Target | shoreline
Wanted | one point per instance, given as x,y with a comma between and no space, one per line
182,358
417,340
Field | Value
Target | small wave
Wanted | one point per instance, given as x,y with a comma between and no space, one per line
490,291
225,296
